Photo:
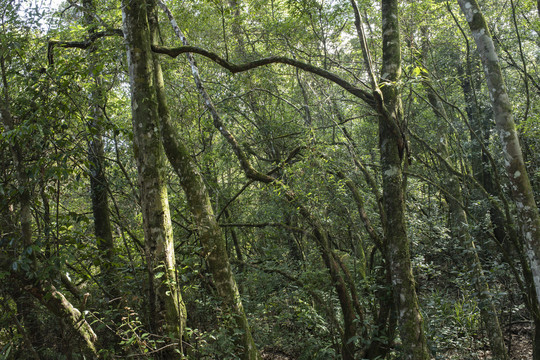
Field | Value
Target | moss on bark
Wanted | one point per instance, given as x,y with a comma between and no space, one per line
167,305
393,146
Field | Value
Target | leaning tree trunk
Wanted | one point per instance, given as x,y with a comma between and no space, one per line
459,226
166,303
529,217
57,303
393,148
45,292
199,204
209,232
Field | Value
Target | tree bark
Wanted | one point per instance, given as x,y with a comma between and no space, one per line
529,217
96,159
198,199
166,304
393,146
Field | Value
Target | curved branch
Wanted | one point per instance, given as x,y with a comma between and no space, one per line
235,68
85,44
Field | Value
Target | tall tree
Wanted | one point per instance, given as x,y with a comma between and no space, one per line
393,148
96,157
166,305
198,199
529,217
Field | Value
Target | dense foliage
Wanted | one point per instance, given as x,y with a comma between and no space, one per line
295,171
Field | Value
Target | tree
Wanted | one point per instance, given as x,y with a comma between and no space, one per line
522,192
274,212
210,233
166,303
393,146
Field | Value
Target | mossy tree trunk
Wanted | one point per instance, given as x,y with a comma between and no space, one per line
165,299
393,148
210,234
198,199
57,304
528,214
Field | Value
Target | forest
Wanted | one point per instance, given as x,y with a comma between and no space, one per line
270,179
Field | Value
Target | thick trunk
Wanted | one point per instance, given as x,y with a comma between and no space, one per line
167,306
410,319
393,149
529,218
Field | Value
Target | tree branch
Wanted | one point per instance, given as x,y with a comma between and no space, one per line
234,68
80,44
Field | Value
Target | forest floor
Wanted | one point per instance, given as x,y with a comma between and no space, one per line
519,339
521,345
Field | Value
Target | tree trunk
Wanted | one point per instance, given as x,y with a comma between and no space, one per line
198,200
459,226
393,147
529,218
96,160
57,303
166,305
210,233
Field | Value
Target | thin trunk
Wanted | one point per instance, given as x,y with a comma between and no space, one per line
236,242
96,159
167,306
529,217
393,147
459,226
